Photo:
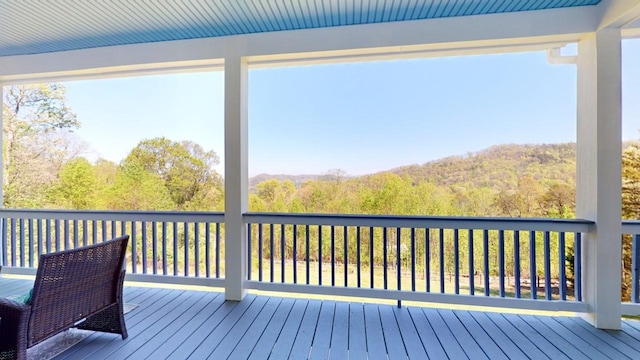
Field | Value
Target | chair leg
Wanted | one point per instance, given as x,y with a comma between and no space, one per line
109,320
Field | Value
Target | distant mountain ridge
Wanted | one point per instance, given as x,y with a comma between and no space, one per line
496,167
297,179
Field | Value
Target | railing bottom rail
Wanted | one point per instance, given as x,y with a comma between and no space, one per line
144,278
442,299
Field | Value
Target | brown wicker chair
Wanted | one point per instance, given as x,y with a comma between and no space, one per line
79,288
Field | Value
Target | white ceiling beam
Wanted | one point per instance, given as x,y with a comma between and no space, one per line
618,13
632,30
455,35
633,33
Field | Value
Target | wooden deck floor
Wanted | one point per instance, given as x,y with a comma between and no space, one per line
178,324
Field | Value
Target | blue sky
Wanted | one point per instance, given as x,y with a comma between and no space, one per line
357,117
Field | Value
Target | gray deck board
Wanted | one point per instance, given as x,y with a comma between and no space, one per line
154,329
134,322
412,343
284,344
392,337
635,324
137,323
629,329
270,336
570,350
427,335
468,343
255,331
176,327
322,338
213,338
12,287
447,339
527,345
304,337
591,351
340,333
221,346
357,332
215,309
613,339
505,342
181,324
552,348
609,349
490,348
376,348
181,350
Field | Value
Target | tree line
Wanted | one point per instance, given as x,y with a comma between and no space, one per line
43,167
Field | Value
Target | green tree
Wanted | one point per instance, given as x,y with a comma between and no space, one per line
37,141
76,185
135,188
630,210
631,182
558,200
185,168
275,195
522,201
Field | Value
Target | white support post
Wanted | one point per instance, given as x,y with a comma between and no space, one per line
599,151
235,176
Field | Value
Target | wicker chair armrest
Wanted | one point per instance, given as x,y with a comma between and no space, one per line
10,307
14,319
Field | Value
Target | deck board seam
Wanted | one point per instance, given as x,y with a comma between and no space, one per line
135,336
591,335
315,330
261,332
413,320
275,341
233,327
193,299
413,326
568,341
223,315
615,337
501,331
438,311
236,306
306,306
540,324
202,304
88,342
456,313
285,305
523,334
203,321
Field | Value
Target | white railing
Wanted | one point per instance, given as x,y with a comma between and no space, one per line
505,262
169,247
631,239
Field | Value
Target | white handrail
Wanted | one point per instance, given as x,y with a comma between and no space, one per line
114,215
403,221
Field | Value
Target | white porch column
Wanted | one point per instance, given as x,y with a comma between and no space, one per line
598,197
235,176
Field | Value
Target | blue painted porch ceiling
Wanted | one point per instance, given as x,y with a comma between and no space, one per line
32,27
